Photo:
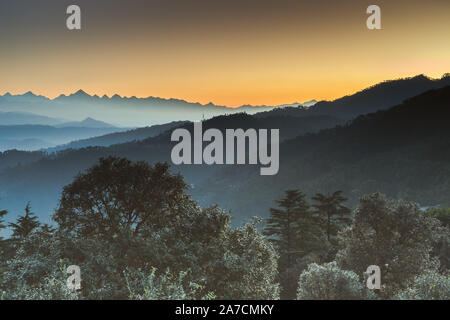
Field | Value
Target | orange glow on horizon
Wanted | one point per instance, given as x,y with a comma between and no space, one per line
229,55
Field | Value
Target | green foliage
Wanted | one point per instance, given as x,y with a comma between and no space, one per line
293,229
329,282
295,233
117,194
25,224
442,214
136,234
395,235
247,268
161,287
430,285
124,223
441,246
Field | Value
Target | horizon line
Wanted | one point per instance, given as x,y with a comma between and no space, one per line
116,95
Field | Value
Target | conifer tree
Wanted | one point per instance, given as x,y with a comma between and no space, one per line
332,210
291,228
25,224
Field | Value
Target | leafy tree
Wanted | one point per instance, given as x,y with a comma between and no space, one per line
442,214
25,224
247,267
394,235
430,285
129,216
117,194
329,282
332,209
441,247
165,286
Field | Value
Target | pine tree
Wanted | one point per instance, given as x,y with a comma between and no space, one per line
332,211
291,228
25,224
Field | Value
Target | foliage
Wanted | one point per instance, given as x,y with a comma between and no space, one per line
161,287
394,235
295,233
116,194
25,224
124,223
136,234
430,285
329,282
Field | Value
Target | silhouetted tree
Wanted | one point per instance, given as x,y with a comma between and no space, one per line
295,233
25,224
117,194
283,225
329,207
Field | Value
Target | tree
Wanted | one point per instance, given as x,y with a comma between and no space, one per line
2,226
394,235
117,194
291,228
430,285
247,269
122,216
330,207
329,282
295,233
25,224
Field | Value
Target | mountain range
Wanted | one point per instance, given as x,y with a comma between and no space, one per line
377,97
401,150
120,111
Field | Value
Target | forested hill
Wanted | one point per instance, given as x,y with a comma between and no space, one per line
119,137
403,152
378,97
42,180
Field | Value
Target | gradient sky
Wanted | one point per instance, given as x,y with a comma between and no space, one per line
229,52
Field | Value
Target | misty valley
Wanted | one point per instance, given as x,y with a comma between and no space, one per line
178,210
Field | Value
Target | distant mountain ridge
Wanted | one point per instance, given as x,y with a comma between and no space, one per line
378,97
20,118
403,151
142,112
119,137
117,110
86,123
35,137
55,170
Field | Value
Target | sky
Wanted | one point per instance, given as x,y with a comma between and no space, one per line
231,52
